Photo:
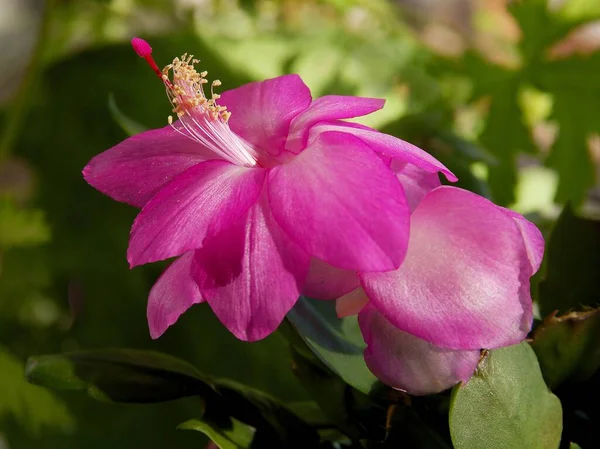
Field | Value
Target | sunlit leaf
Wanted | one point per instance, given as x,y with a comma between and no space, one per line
506,405
336,342
232,435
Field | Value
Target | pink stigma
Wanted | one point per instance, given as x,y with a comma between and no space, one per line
144,50
141,47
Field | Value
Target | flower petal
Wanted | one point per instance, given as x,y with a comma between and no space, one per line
251,274
261,112
464,283
172,294
351,303
415,181
327,108
389,146
198,203
342,204
136,169
325,281
534,241
408,363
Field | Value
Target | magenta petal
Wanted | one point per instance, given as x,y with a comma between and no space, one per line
415,181
342,204
251,274
198,203
261,112
408,363
329,107
351,303
172,294
534,241
135,169
464,283
389,146
325,281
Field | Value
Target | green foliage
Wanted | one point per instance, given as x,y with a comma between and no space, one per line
236,435
336,342
506,405
572,84
119,375
33,407
21,227
566,346
133,376
572,260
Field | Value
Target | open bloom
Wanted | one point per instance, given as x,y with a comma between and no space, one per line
254,188
463,286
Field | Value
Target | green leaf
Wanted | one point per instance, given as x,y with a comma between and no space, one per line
33,407
236,435
336,342
506,405
566,346
130,126
575,113
572,259
574,446
119,375
21,227
272,419
351,411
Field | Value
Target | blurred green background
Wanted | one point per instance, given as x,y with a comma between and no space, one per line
506,95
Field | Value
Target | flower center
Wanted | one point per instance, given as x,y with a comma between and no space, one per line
202,119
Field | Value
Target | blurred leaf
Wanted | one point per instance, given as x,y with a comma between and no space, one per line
506,405
119,375
134,376
130,126
237,436
572,260
336,342
574,446
21,227
568,346
31,406
576,114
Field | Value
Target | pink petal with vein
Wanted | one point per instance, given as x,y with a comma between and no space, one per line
415,181
251,274
329,107
172,294
261,112
134,170
325,281
389,146
464,283
408,363
534,241
340,203
201,202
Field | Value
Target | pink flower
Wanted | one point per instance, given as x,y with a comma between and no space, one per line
463,286
251,188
